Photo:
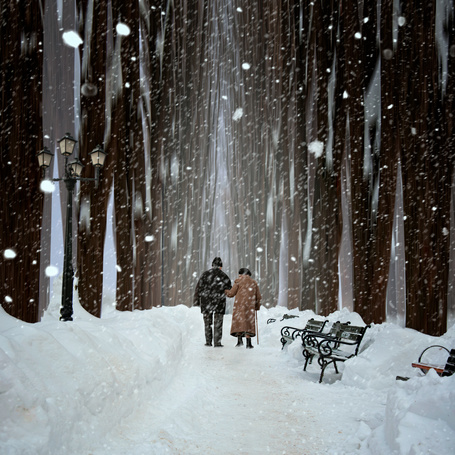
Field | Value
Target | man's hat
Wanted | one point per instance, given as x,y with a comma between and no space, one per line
217,262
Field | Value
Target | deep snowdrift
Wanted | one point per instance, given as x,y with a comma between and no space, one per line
143,383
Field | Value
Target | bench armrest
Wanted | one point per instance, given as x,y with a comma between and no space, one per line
290,332
325,344
431,347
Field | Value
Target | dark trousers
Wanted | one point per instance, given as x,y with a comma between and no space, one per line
216,320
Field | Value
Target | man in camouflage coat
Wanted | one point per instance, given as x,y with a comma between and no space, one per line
209,295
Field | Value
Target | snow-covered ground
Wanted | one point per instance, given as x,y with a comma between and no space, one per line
144,383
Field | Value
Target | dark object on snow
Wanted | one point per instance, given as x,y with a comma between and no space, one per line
288,316
270,320
340,344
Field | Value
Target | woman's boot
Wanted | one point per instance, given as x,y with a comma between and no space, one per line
239,342
248,343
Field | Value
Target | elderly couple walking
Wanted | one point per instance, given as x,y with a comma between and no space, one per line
210,294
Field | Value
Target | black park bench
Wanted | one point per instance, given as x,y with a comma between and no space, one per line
442,370
340,344
289,334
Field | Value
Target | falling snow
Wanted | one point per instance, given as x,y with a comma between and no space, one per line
214,119
238,114
72,39
122,29
316,148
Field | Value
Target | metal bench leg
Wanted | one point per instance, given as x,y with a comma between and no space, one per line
306,361
322,372
324,364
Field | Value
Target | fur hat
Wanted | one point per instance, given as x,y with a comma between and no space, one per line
244,271
217,262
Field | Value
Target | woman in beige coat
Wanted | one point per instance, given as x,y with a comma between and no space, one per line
247,301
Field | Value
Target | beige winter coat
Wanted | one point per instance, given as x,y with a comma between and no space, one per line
247,300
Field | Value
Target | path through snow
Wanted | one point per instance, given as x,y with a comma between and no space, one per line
232,400
143,383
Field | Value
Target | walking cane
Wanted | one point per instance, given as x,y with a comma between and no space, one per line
257,325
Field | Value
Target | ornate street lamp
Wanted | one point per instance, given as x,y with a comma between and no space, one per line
72,174
44,158
75,168
67,144
98,156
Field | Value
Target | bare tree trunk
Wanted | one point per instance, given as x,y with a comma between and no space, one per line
152,28
93,201
426,181
386,160
443,160
341,156
21,69
296,151
291,80
128,150
350,33
326,207
448,144
307,61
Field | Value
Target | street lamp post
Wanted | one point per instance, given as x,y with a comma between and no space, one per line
72,175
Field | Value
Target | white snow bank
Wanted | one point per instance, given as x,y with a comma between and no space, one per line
62,385
418,416
67,387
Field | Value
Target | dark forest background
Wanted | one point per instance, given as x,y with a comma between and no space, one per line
211,112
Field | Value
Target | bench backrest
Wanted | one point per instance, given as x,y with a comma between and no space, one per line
289,334
315,326
337,328
353,334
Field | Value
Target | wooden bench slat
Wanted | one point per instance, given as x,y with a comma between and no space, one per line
424,366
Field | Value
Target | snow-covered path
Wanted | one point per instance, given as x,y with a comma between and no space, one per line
143,383
233,400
